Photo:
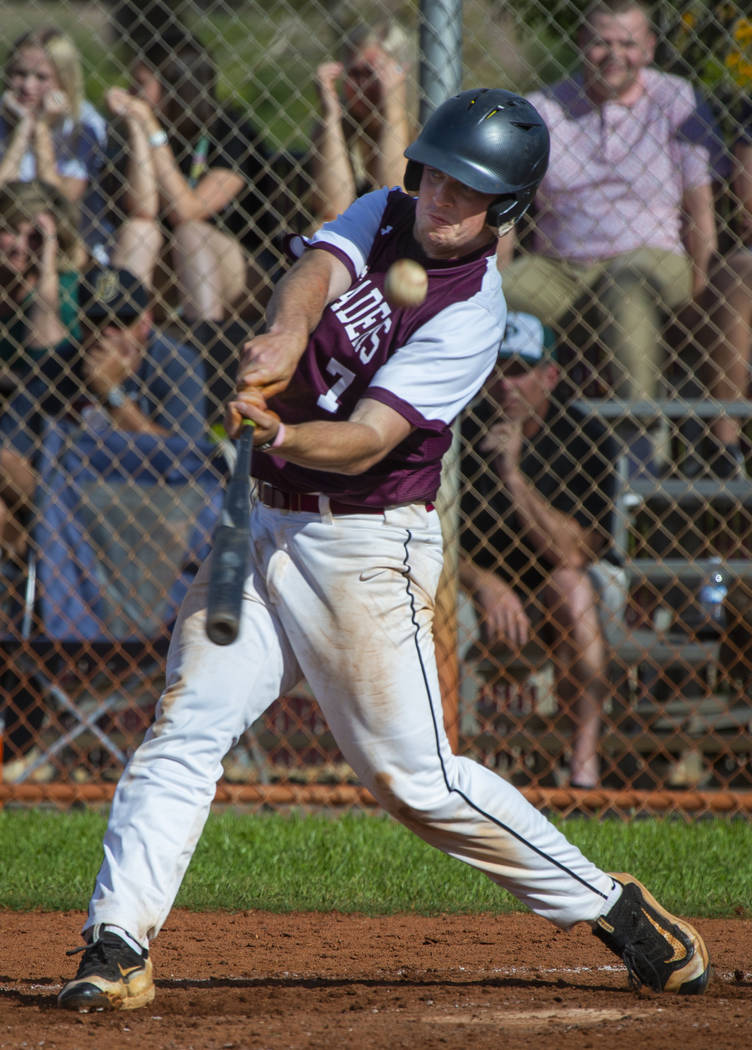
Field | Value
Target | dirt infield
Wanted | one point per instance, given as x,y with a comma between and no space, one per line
267,982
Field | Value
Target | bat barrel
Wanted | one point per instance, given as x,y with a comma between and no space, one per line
226,582
231,550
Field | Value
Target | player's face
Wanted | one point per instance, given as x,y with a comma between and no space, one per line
450,218
30,76
615,49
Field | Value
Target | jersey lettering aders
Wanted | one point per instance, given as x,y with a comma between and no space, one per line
425,363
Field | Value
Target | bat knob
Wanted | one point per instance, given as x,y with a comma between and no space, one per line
222,630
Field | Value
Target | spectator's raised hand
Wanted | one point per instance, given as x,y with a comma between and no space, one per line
45,229
328,76
390,77
122,103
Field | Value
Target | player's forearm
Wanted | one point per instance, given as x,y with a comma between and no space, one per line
555,536
336,447
300,298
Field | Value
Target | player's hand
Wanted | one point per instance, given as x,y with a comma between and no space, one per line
504,441
267,363
251,404
502,613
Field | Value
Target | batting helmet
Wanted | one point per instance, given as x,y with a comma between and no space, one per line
489,139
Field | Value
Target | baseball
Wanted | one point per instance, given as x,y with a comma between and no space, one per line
406,283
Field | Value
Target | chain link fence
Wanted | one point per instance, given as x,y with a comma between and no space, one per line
106,516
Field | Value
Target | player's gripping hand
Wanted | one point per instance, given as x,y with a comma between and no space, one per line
269,360
250,403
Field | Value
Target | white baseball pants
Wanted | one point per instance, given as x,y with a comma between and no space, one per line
346,602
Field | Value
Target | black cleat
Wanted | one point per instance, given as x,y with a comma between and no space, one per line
111,976
659,950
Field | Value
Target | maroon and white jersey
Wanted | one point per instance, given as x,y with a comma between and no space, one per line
425,362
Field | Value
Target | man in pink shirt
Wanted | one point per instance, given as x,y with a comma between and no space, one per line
624,218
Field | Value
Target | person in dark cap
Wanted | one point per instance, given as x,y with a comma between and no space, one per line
537,506
122,373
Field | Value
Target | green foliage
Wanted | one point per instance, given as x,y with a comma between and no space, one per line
367,863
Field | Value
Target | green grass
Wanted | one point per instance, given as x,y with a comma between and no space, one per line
367,863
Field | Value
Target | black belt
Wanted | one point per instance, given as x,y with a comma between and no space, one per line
308,502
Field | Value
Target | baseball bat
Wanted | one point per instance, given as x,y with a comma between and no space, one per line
230,548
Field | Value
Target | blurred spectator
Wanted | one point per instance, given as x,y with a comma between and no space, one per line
48,130
135,24
624,226
363,131
41,255
728,332
538,490
189,181
122,374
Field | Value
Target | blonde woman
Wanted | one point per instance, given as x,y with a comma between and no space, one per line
48,130
364,129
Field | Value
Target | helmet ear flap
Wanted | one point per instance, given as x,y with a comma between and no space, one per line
413,175
506,210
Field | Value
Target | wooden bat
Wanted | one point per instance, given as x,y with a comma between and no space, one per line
230,548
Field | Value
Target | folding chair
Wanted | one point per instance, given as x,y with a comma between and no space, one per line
122,522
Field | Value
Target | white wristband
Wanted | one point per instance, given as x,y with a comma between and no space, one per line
158,138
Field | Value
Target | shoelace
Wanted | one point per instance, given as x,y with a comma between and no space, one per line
94,954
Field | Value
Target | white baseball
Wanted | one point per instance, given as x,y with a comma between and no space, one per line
405,284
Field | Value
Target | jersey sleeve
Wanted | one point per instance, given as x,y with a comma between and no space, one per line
350,236
443,366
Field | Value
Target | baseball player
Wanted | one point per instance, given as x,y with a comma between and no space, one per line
345,557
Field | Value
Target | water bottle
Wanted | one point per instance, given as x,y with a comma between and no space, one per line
712,596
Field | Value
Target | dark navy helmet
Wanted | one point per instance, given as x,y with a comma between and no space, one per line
489,139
